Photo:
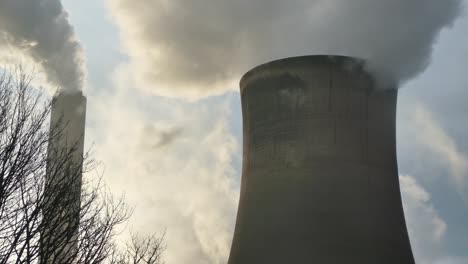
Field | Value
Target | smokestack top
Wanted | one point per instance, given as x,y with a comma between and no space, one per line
67,104
294,65
66,93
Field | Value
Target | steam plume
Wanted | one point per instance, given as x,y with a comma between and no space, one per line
40,29
198,48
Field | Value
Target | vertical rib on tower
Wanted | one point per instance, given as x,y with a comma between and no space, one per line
59,239
320,177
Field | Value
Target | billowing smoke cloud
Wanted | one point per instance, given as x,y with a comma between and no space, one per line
41,30
199,48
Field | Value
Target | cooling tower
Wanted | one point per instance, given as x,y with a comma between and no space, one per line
63,178
320,178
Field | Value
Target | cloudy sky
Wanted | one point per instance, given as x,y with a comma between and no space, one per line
164,111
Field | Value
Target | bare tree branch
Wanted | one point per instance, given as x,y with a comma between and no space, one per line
64,220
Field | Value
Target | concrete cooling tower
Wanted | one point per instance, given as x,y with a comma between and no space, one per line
63,178
320,178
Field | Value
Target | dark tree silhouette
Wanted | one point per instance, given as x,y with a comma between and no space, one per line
40,219
139,250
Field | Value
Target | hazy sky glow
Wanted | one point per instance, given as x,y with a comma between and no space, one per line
164,111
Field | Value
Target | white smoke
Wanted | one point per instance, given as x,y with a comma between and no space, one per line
175,163
198,48
41,30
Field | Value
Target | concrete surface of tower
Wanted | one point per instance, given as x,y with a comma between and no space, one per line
64,178
320,178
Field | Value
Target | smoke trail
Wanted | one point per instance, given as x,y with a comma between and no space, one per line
175,163
199,48
40,29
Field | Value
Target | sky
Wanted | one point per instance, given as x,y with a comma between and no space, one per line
164,113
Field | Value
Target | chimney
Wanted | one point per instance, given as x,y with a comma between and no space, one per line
59,241
320,178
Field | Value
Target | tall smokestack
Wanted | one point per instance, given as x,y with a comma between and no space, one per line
64,175
320,177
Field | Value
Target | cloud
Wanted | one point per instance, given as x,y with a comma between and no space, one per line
425,226
198,48
41,29
423,220
432,136
173,160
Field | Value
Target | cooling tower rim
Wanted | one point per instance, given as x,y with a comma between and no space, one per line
269,68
